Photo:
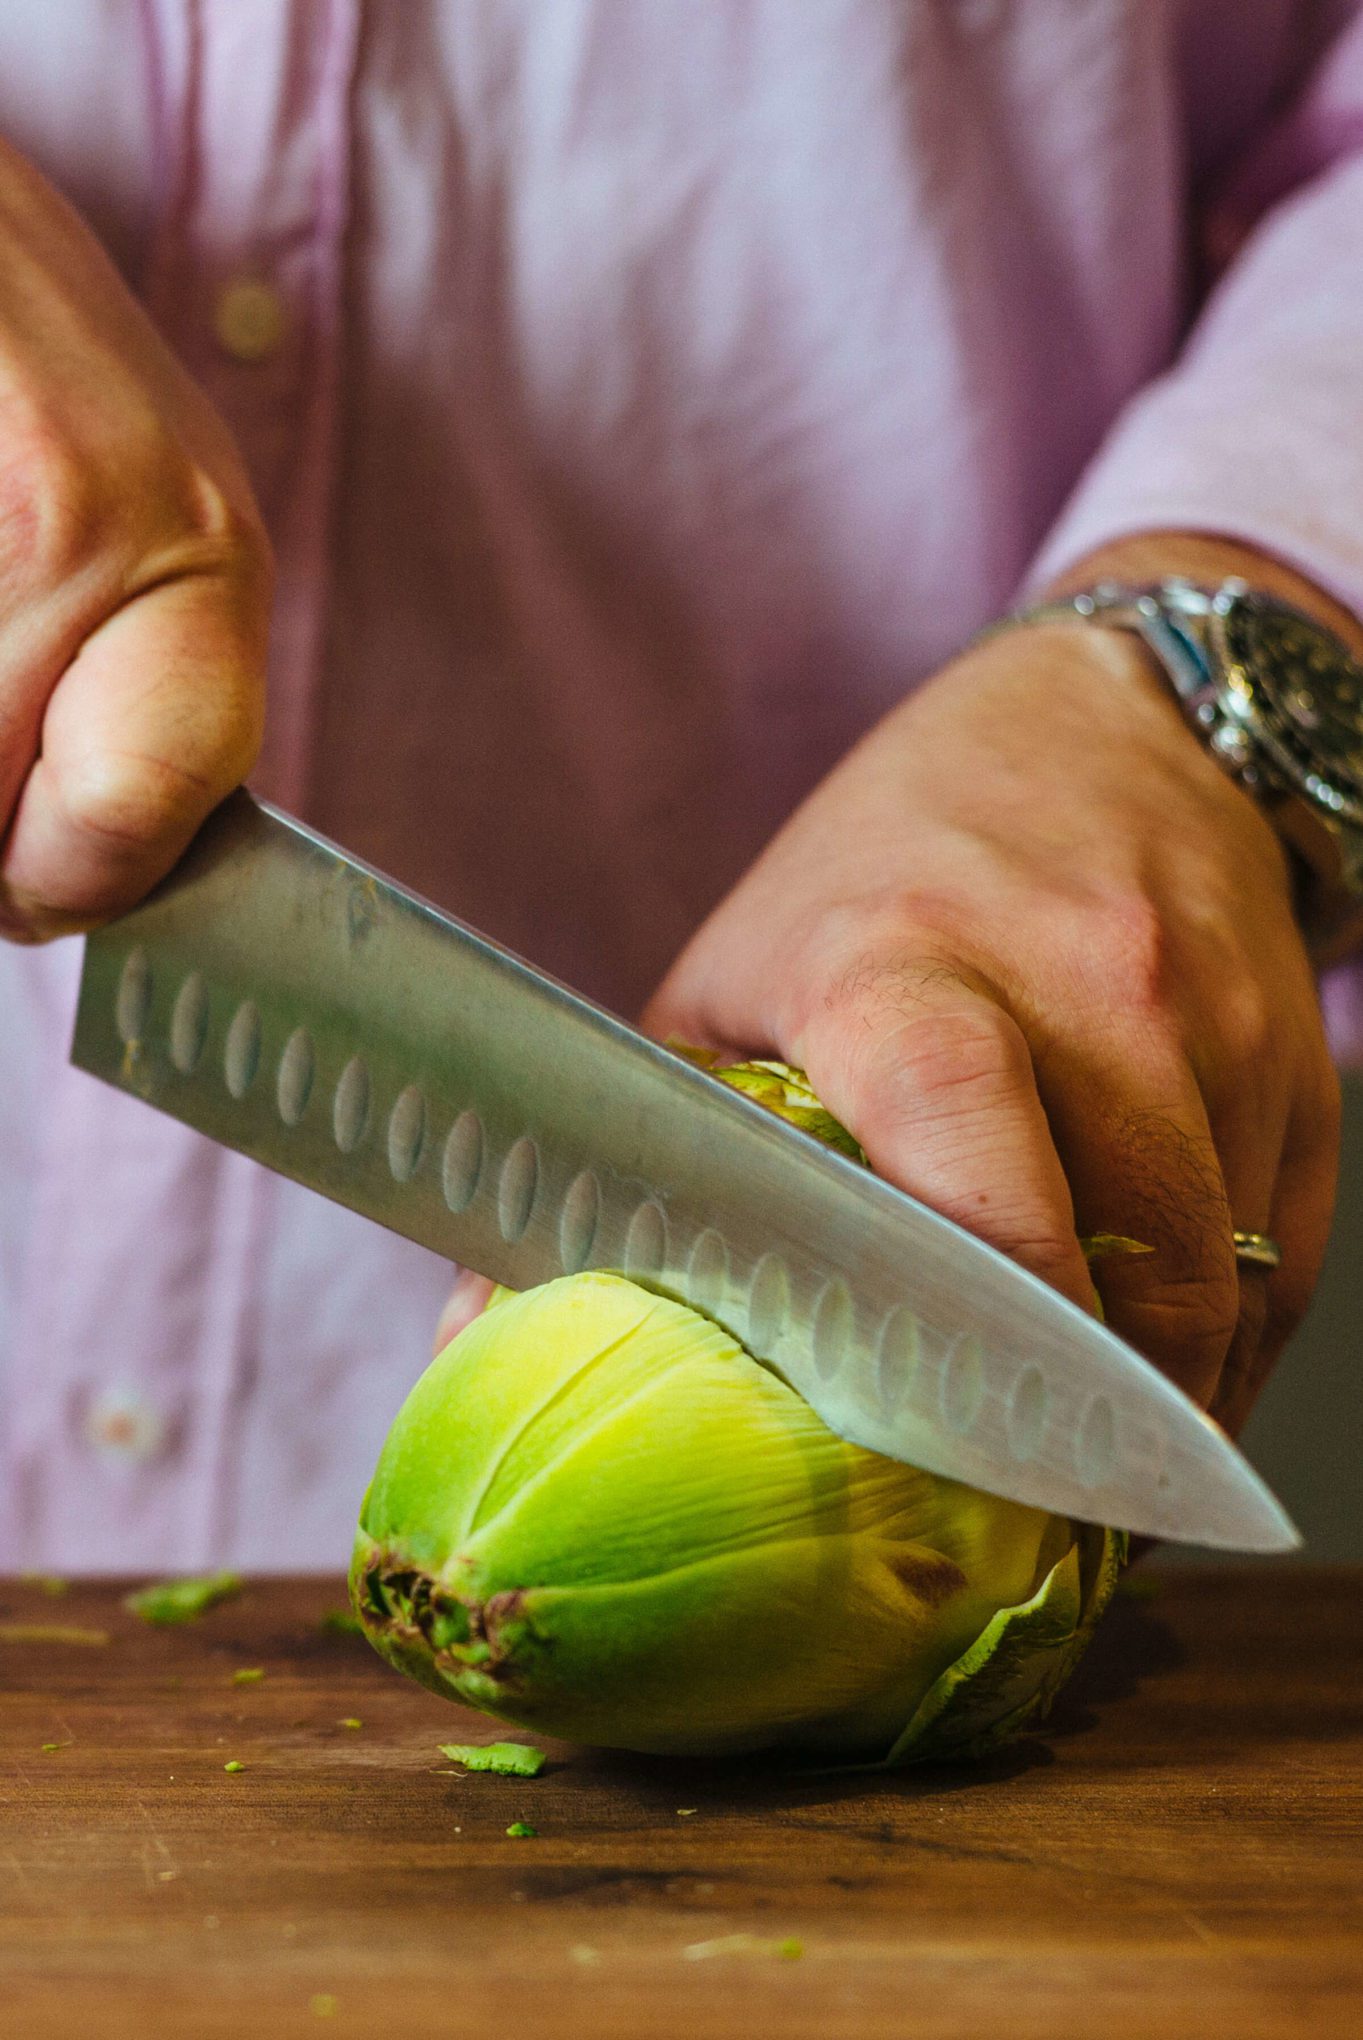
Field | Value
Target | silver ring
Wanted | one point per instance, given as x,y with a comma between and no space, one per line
1257,1250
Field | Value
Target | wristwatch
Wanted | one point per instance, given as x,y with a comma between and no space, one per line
1277,699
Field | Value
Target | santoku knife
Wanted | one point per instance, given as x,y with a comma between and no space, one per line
296,1005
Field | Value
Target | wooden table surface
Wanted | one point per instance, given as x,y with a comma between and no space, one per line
1181,1854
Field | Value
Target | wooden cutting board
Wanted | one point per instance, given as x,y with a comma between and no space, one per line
1182,1854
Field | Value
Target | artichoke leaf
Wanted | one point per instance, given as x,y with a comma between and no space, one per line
1010,1675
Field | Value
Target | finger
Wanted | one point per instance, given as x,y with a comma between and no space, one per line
154,722
935,1079
675,1014
1245,1043
21,722
466,1301
1249,1102
1137,1147
1299,1219
41,632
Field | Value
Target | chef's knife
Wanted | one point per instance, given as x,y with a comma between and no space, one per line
296,1005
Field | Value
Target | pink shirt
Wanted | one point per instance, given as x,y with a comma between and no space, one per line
662,390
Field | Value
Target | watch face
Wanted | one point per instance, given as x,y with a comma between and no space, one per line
1296,686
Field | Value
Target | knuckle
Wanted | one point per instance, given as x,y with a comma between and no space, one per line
72,494
865,970
888,974
1045,1250
971,1048
53,505
223,531
204,528
906,1028
124,801
1192,1322
1206,1310
1127,946
1247,1022
885,932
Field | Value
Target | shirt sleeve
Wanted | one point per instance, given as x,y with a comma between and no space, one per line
1256,431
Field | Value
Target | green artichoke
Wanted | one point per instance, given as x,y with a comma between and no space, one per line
598,1517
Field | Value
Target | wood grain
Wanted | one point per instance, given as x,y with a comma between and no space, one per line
1181,1854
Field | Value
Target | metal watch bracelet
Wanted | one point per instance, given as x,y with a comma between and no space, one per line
1226,705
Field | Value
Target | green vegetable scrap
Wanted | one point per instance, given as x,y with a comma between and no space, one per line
248,1675
350,1721
234,1765
785,1091
340,1622
598,1517
170,1601
48,1747
519,1830
1099,1245
509,1759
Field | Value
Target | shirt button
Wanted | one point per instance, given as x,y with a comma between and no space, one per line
249,319
123,1427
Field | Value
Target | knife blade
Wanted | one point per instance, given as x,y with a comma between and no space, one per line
291,1002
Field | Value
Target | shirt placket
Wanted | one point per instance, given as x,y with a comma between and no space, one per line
246,283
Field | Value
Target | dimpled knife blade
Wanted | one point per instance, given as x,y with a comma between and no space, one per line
299,1007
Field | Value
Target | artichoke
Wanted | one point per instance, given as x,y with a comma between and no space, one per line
598,1517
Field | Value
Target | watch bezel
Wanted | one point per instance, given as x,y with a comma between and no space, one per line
1251,694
